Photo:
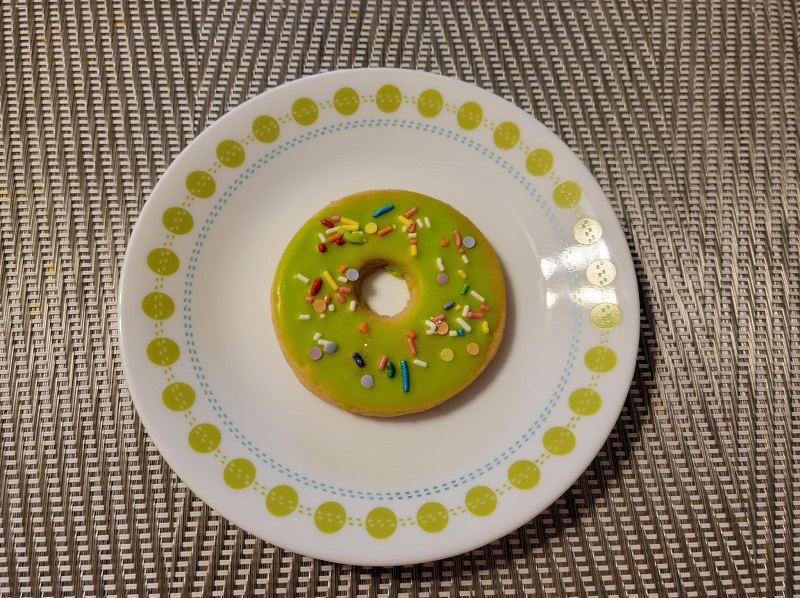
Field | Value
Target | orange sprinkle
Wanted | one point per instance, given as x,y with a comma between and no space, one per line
444,243
327,299
363,327
334,238
342,269
411,346
412,227
384,231
411,334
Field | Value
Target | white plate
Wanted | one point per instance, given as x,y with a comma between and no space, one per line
247,437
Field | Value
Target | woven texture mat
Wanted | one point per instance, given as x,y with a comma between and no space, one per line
686,112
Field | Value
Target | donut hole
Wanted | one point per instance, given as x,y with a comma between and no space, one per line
386,293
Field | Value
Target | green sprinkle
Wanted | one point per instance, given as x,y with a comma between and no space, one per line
464,289
390,369
353,236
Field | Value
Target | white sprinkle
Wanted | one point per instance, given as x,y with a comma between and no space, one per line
420,363
405,228
465,258
430,332
478,297
343,279
332,231
322,238
465,311
322,342
331,307
454,333
430,324
427,222
353,305
302,278
305,317
420,224
440,264
322,315
464,325
317,336
412,235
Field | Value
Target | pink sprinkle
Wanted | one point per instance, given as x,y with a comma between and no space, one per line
458,238
382,363
484,307
411,346
347,290
411,212
438,318
309,299
336,218
412,241
474,314
461,251
340,297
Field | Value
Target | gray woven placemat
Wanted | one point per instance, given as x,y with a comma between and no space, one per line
687,113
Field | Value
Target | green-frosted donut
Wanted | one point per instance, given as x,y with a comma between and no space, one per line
449,353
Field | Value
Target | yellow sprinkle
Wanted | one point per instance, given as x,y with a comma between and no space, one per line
348,221
414,251
462,274
457,308
330,280
404,220
485,326
371,228
350,227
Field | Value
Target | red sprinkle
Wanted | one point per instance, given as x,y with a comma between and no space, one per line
461,251
309,299
321,248
458,237
484,307
342,269
340,241
444,243
335,219
315,286
327,299
384,231
411,334
382,363
345,290
340,297
363,327
474,314
411,346
326,223
412,241
411,212
438,318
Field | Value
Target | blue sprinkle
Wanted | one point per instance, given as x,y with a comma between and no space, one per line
461,332
359,360
449,305
404,373
382,210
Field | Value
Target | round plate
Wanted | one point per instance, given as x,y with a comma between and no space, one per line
224,408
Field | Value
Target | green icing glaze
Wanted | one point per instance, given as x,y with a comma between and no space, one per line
337,375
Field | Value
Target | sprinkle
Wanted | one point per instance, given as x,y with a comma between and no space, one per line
442,328
330,347
411,212
322,315
477,296
340,297
412,227
352,274
405,221
382,210
439,264
411,334
348,221
341,279
322,238
475,314
411,346
465,311
342,268
331,307
469,242
442,278
334,238
420,223
484,307
370,228
412,241
322,248
457,235
413,251
444,243
326,299
473,349
348,227
404,373
354,237
345,290
430,324
461,251
485,327
309,299
385,231
463,323
405,228
302,278
340,242
438,318
332,231
449,305
317,336
305,317
458,307
420,363
382,363
326,223
430,331
353,305
427,222
461,332
465,258
464,289
320,306
327,276
390,369
315,353
336,218
367,381
358,359
363,327
446,355
453,333
462,274
412,235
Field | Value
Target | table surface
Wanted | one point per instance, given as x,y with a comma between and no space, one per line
687,114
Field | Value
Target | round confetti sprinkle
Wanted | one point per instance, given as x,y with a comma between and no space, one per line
442,278
282,500
442,328
315,353
367,381
319,306
351,274
447,355
371,228
473,349
468,242
331,347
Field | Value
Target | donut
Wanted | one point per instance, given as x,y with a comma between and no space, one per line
345,352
